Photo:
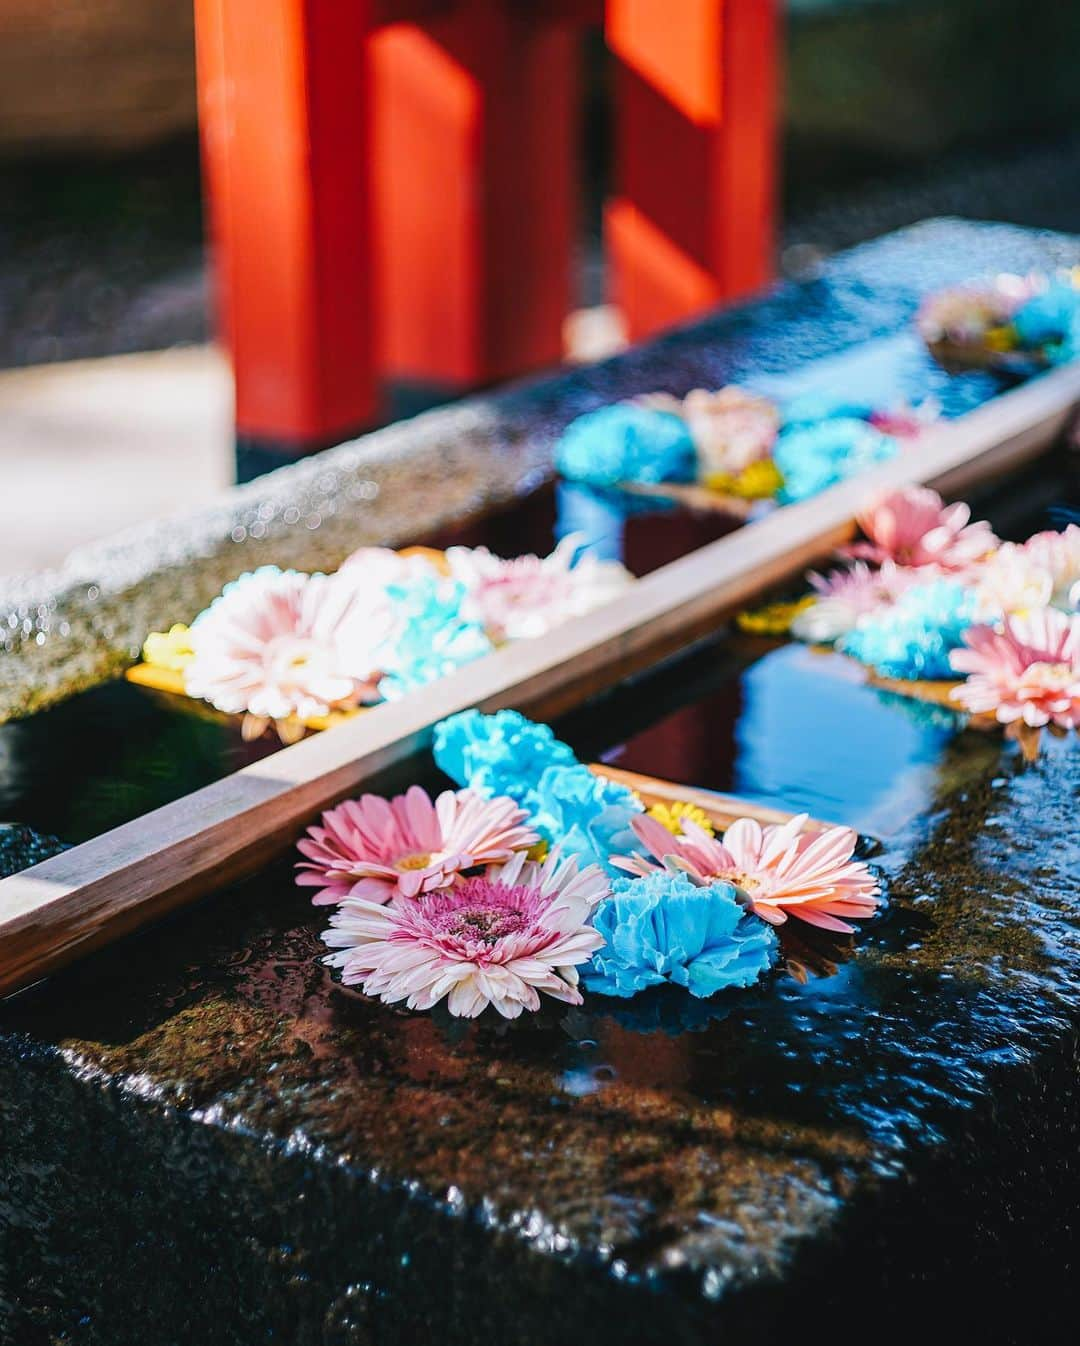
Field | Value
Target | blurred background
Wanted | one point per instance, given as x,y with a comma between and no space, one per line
110,386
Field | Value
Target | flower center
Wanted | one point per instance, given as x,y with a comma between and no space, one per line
1045,674
486,924
419,861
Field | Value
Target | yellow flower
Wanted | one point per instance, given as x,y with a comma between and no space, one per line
538,851
1000,338
757,481
671,816
169,649
775,618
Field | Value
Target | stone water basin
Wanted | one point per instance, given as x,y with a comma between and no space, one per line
879,1136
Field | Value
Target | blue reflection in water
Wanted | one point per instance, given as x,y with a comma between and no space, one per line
809,739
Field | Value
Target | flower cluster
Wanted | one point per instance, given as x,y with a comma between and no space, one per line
931,594
733,442
1012,323
440,899
284,646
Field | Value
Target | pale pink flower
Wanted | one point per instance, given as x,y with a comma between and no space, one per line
962,314
1011,581
779,870
1028,673
528,595
279,643
377,849
846,597
497,939
914,527
731,429
380,566
1059,555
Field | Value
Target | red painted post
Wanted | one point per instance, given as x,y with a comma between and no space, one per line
692,219
285,121
475,164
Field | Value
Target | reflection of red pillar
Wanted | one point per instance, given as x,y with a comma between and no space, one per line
283,107
691,222
476,126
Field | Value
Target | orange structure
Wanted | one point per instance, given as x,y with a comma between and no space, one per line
393,185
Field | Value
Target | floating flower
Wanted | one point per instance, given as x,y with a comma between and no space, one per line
1027,674
1050,321
527,596
774,619
1012,581
664,928
673,815
758,481
380,567
813,457
915,637
779,870
499,754
914,527
847,597
433,637
731,429
962,315
279,643
1059,555
626,442
495,939
378,849
170,650
585,814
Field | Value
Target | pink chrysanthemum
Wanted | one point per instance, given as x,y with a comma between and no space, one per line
496,939
377,849
914,527
528,595
845,597
1026,674
779,870
279,643
1059,555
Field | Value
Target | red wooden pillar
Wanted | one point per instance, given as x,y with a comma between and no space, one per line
284,113
691,222
475,171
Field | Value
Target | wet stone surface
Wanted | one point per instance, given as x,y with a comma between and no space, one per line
847,330
203,1138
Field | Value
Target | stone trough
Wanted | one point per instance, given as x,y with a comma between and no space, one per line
205,1139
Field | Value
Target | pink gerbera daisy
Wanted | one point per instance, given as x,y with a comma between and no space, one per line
779,870
528,595
499,939
914,527
1028,674
279,643
377,849
845,597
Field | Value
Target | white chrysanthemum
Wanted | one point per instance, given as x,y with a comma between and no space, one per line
279,643
528,595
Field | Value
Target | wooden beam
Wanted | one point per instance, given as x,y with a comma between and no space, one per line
86,897
721,809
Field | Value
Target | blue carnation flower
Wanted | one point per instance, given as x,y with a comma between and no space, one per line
812,457
434,640
625,442
661,928
584,814
914,637
500,754
1050,321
